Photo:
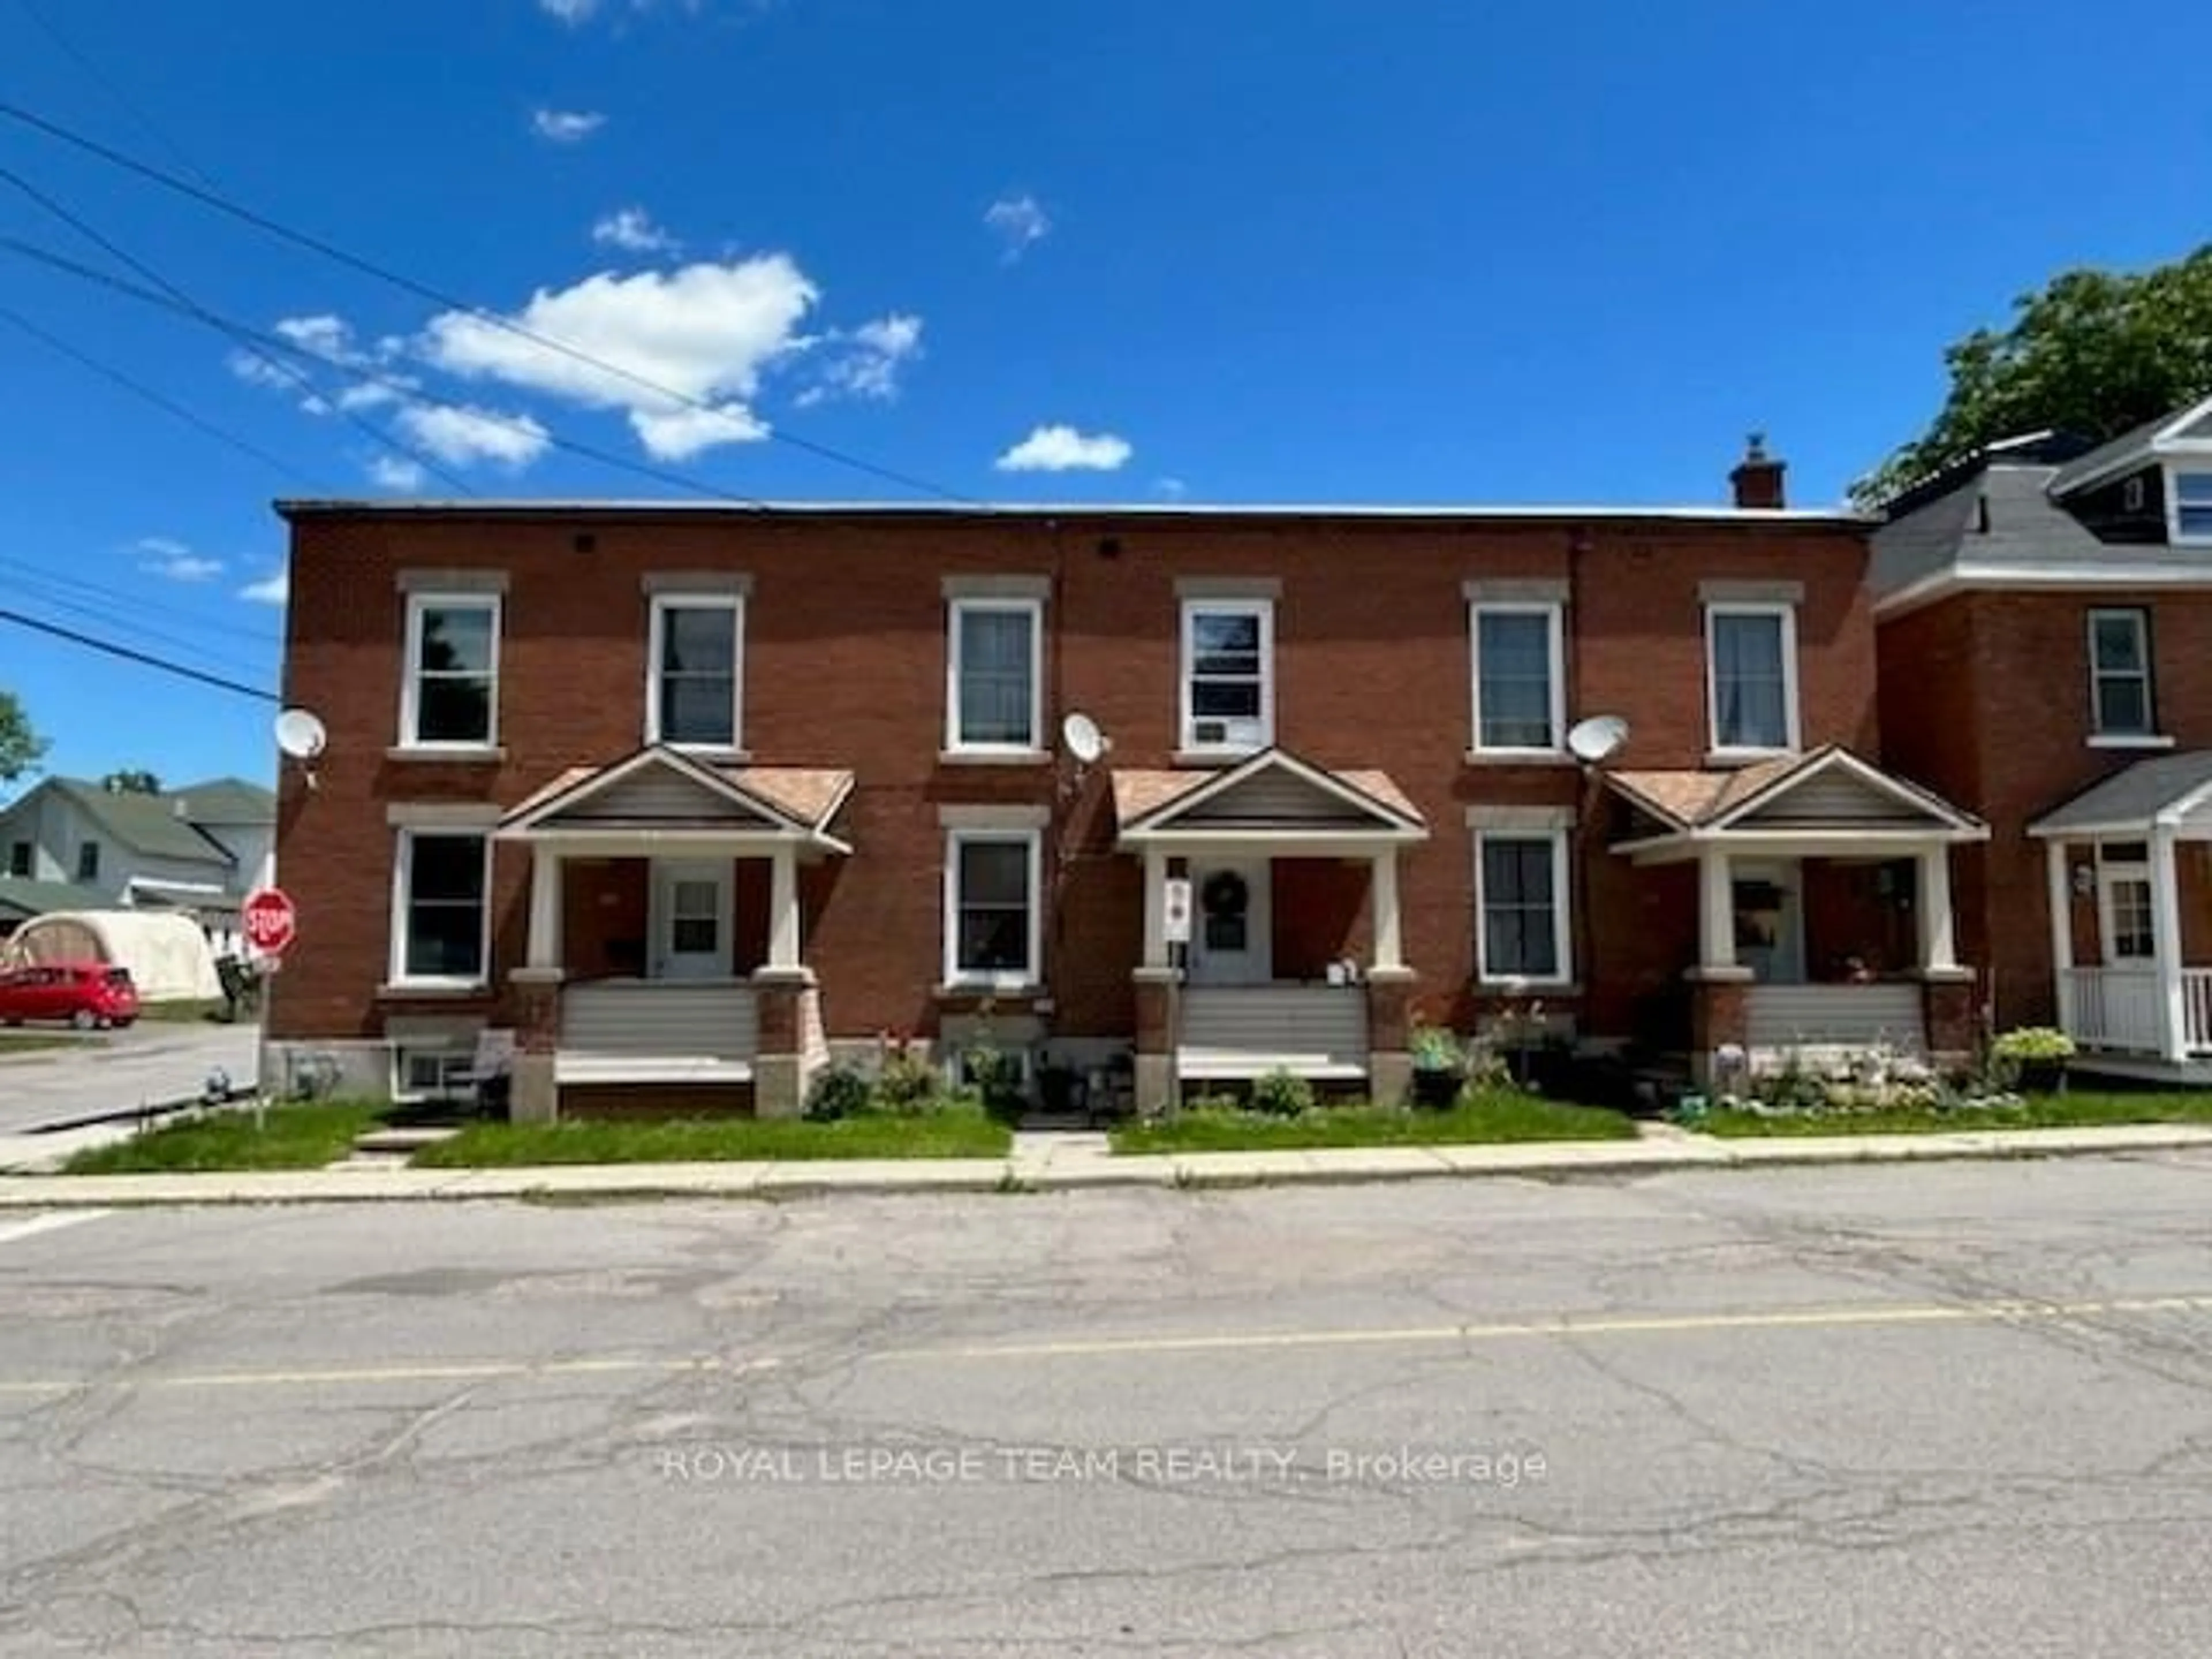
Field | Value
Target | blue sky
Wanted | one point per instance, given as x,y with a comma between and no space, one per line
1235,250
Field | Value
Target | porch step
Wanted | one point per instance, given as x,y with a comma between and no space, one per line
400,1142
570,1066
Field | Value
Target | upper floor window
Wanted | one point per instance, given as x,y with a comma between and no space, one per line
692,698
2119,673
19,858
441,918
450,699
1519,698
2192,507
87,861
1228,676
993,676
1750,663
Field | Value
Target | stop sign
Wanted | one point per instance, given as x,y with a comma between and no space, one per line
270,921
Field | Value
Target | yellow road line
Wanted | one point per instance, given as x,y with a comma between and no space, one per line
464,1371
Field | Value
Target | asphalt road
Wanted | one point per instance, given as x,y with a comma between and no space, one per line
1955,1410
152,1060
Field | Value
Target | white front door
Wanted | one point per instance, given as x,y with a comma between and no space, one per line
691,920
1770,921
1231,941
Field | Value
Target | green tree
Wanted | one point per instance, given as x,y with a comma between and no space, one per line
132,780
2093,352
20,748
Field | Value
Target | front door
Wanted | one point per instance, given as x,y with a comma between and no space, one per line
1769,925
690,920
1231,939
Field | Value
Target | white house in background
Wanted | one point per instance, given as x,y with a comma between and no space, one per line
198,849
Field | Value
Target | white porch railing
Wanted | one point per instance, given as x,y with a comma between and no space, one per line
1246,1031
2118,1008
1816,1018
638,1031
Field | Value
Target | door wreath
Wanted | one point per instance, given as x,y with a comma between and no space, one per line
1225,894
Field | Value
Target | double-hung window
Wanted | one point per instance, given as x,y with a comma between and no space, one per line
1521,900
695,677
2119,673
1751,670
2125,908
994,655
2192,505
451,695
1228,676
19,858
440,914
87,861
991,909
1519,699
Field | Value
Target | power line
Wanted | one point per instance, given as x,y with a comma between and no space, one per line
145,658
400,387
298,377
106,84
47,597
223,204
175,613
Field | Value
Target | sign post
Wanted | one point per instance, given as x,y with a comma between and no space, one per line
1176,902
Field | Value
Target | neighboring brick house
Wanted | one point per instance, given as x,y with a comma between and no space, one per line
2046,655
689,797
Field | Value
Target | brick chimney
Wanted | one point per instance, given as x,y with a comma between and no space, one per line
1758,476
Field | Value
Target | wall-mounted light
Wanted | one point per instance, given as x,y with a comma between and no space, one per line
2085,880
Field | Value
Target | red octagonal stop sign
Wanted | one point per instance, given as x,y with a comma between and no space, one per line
270,921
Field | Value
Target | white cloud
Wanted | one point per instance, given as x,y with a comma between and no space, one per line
1063,449
459,435
396,473
1173,489
576,13
1017,222
275,588
169,558
702,334
632,229
331,341
566,126
867,362
571,12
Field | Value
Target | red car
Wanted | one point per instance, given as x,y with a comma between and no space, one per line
89,996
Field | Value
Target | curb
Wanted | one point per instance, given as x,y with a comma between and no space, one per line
1204,1171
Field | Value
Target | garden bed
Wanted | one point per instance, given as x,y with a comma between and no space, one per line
2075,1109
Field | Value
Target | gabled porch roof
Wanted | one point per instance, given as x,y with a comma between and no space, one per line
1824,802
2164,791
1270,798
660,795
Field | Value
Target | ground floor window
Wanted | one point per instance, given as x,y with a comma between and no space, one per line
1520,895
991,907
438,909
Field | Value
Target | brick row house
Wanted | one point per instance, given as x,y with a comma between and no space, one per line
2046,636
691,799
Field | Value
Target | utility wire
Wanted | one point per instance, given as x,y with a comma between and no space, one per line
116,596
46,598
297,377
399,386
145,658
223,204
106,84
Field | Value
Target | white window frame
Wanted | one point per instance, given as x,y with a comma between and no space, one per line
2140,617
1562,911
1264,610
1555,617
403,870
955,742
1793,736
656,634
1032,973
2175,472
2109,876
456,1070
410,684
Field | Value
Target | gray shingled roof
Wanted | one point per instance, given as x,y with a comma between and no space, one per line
20,895
227,801
2026,527
2109,457
148,823
2132,797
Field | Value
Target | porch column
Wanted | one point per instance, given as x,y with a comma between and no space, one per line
544,950
2060,889
1939,951
1389,932
1156,909
783,909
1716,909
2166,923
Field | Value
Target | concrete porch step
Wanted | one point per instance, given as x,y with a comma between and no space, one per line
399,1142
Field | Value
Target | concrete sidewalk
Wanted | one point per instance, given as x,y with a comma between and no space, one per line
1062,1163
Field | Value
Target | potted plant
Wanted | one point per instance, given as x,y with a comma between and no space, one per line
1439,1065
2032,1058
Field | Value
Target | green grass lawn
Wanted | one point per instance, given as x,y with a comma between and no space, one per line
185,1012
1491,1117
304,1137
2077,1108
953,1134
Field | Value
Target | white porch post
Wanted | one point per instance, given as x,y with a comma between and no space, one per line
1716,909
783,909
1389,928
2165,922
1939,952
544,949
1156,909
2061,930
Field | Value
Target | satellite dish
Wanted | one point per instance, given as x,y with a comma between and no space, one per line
301,734
1595,739
1083,738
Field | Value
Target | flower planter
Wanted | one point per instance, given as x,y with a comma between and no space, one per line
2042,1077
1435,1086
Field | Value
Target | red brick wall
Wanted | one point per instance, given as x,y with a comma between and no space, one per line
844,666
